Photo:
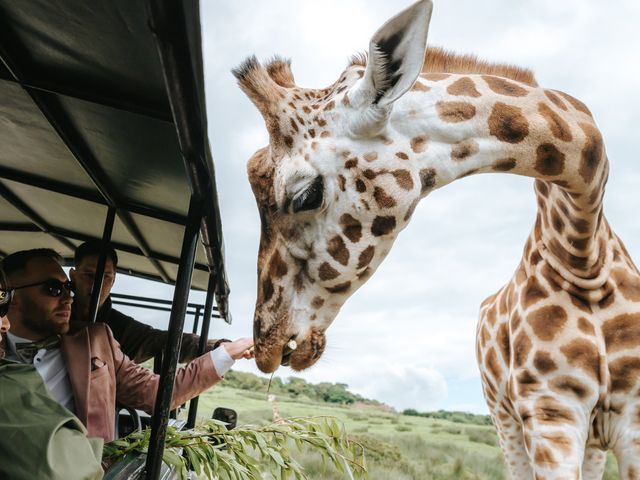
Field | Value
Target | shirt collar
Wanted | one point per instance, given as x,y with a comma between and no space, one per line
12,340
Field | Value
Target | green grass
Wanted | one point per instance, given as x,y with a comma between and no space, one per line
398,447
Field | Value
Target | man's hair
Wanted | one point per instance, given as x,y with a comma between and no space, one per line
17,262
91,248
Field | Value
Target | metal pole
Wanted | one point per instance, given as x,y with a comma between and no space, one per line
204,335
196,320
174,340
102,260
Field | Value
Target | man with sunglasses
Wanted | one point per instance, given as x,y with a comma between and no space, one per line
137,340
84,369
36,433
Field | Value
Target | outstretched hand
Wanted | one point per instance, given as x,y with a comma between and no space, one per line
241,348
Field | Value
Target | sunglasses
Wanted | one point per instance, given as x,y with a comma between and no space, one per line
53,287
5,300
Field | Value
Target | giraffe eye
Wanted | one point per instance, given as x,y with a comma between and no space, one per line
309,199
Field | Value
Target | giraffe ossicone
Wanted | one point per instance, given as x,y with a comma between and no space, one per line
559,345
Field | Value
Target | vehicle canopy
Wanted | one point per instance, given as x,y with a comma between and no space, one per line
103,130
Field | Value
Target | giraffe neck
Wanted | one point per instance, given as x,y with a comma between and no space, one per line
469,124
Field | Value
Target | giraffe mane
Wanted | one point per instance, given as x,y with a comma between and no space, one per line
439,60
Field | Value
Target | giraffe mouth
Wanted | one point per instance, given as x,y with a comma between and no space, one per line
306,353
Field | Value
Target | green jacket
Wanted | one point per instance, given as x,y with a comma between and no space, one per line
40,439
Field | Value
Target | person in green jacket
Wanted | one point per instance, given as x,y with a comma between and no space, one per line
39,439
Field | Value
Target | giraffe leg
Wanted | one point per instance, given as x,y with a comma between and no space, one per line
555,433
593,463
627,451
512,444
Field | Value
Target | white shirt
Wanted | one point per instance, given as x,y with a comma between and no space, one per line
51,367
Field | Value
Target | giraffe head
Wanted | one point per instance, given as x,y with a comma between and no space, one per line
329,213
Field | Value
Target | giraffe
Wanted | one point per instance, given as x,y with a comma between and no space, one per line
275,410
558,346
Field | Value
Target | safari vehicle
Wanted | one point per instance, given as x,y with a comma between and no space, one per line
104,136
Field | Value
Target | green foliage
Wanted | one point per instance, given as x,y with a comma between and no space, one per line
482,435
245,453
457,417
296,387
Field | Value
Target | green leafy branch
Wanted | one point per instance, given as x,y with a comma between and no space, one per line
244,453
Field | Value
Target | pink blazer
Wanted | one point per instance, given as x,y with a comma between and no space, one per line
100,373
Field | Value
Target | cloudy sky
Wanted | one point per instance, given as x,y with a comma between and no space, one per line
407,336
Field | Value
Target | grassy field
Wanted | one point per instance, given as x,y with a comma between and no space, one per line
399,447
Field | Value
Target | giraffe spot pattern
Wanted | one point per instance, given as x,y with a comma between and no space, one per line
521,348
338,250
435,77
383,199
543,362
492,365
551,411
370,156
340,288
317,302
544,457
342,183
575,103
351,228
366,256
560,442
463,87
329,106
556,100
533,292
502,337
581,304
504,87
403,179
277,267
351,163
419,87
402,156
327,272
527,383
464,149
267,289
567,384
427,179
559,128
455,112
418,144
505,164
382,225
507,123
549,160
558,223
547,321
591,152
360,186
583,354
410,210
628,285
625,372
622,332
585,326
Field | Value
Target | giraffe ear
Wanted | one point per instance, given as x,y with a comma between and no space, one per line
396,57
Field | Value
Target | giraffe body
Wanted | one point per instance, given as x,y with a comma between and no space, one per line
559,345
